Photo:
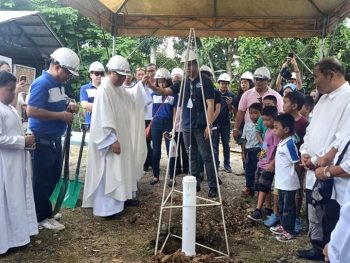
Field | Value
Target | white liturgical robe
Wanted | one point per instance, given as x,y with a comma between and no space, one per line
17,211
111,179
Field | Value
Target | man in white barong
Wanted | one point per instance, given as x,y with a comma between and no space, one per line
17,211
117,147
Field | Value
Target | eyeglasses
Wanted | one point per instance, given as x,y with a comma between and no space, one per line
150,70
98,74
69,74
260,79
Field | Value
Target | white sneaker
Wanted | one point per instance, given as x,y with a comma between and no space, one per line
52,224
58,216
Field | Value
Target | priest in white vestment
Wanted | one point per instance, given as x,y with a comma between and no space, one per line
117,145
17,211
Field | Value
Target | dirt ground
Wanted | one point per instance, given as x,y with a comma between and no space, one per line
132,237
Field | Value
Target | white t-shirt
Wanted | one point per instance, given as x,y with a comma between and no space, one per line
286,178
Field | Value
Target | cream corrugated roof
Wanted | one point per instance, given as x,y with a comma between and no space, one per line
226,18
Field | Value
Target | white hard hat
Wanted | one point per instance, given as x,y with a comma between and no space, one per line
188,56
177,71
247,75
205,68
262,73
96,66
119,64
224,77
162,73
67,58
294,75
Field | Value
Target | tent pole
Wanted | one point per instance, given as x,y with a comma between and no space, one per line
325,20
114,29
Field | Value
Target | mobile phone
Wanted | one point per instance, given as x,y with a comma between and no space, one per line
290,55
23,78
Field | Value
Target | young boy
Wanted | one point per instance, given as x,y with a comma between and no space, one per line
265,171
292,104
307,108
286,177
251,147
268,100
17,212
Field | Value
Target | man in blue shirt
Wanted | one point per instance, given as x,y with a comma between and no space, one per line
196,129
49,114
88,91
224,123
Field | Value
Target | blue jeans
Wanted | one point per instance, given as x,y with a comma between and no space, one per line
196,143
251,161
47,168
224,134
159,126
286,206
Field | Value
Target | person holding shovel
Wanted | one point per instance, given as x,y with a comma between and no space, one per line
49,115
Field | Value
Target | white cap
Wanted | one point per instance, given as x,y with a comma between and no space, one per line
177,71
119,64
191,56
294,75
262,73
247,75
162,73
205,68
96,66
224,77
67,58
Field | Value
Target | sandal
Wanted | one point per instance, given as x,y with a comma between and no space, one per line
154,181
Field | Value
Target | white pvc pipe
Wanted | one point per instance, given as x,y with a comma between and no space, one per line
189,216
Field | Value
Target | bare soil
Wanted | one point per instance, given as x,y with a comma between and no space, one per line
132,237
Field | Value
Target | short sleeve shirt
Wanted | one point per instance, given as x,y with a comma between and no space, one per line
224,116
268,149
299,131
193,115
249,134
252,96
286,178
163,106
87,93
261,128
48,94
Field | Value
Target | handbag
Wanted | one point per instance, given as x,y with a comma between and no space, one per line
148,128
322,189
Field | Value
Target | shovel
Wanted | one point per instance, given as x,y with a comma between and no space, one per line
59,193
74,186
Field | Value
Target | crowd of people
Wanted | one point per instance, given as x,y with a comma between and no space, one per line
293,145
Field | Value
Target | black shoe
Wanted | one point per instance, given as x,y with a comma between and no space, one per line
170,183
132,202
256,215
228,170
154,181
114,216
213,192
220,182
311,254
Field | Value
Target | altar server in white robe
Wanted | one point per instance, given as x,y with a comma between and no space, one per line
17,211
117,144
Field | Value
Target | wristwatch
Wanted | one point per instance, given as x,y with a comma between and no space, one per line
210,125
327,173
